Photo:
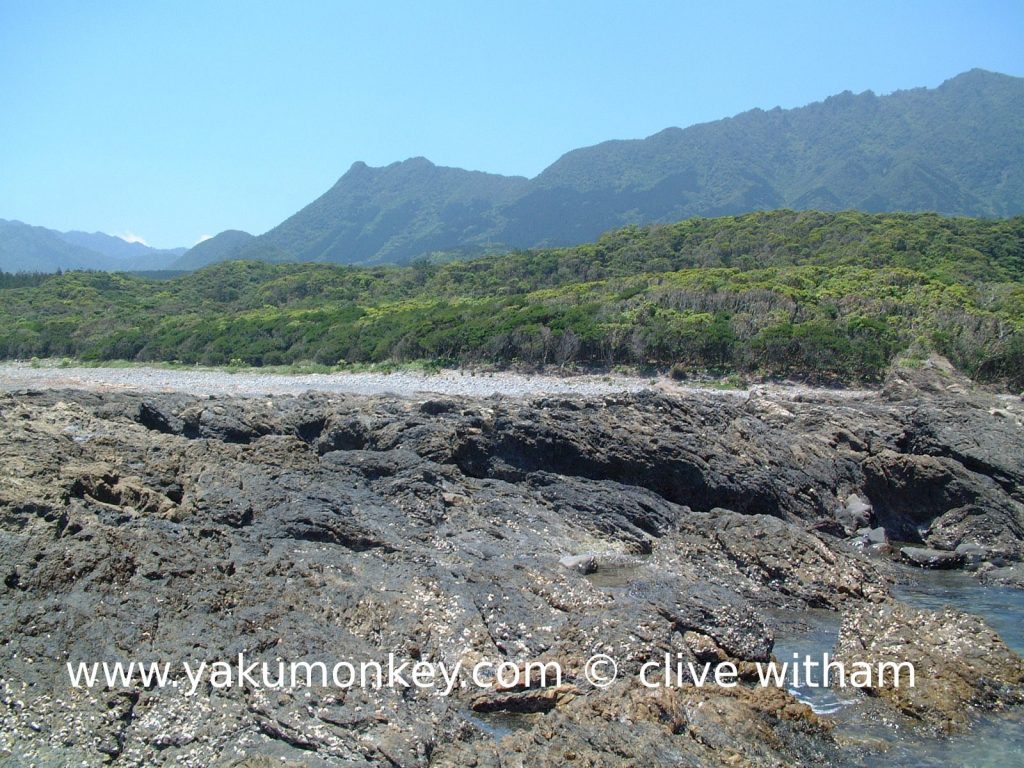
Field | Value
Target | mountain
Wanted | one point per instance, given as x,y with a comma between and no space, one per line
137,255
25,248
218,248
393,214
955,149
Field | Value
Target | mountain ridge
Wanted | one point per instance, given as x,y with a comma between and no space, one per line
211,250
29,248
955,150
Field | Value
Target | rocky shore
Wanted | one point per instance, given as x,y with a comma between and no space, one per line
177,527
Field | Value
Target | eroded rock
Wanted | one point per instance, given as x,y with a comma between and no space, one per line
174,528
959,662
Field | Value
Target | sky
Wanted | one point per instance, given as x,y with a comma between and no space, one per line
172,121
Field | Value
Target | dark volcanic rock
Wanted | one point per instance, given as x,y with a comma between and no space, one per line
340,529
932,558
958,661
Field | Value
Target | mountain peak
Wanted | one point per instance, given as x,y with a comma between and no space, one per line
361,172
977,73
417,162
418,166
979,78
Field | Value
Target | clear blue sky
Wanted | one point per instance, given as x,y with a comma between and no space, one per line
173,120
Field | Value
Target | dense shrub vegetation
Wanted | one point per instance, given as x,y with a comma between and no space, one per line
824,296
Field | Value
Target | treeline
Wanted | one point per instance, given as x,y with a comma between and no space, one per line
22,279
821,296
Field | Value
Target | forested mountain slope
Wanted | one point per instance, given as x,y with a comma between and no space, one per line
956,149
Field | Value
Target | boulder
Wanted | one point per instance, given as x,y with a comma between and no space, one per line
583,564
924,557
972,554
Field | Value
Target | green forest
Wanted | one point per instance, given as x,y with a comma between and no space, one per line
824,297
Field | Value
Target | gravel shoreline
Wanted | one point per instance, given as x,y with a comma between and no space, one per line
17,376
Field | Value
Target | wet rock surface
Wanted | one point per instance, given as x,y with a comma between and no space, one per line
172,528
932,558
960,663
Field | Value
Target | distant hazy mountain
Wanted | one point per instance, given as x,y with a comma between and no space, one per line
218,248
138,255
955,149
25,248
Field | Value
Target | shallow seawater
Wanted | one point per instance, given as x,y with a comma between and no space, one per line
501,724
992,741
818,638
1001,607
615,578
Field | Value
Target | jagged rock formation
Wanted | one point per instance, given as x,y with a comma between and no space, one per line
162,527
